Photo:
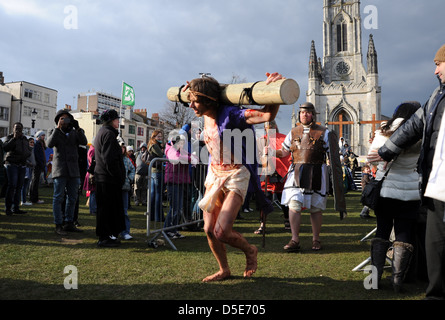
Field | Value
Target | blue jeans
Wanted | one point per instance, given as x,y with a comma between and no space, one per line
93,203
156,197
175,197
25,189
72,187
16,177
127,219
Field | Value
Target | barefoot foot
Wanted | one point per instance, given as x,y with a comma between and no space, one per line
219,276
251,262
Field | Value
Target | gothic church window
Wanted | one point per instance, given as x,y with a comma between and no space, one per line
342,35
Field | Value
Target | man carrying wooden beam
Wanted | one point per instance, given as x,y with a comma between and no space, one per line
228,178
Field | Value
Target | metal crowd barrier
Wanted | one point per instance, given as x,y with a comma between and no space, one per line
180,196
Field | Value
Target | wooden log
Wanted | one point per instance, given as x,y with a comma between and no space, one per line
283,92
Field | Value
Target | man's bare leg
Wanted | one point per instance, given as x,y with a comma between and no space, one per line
224,231
219,229
295,224
316,222
218,248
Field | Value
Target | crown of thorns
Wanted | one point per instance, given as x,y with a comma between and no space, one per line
197,93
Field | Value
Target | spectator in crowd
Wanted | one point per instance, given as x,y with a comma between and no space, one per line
141,178
132,157
274,169
30,164
126,188
366,178
428,124
89,185
109,175
39,154
399,203
176,176
156,150
130,154
17,151
65,140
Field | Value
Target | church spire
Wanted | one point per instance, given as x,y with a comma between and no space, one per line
314,64
372,57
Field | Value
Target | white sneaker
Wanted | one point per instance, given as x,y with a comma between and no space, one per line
246,211
27,203
40,201
178,236
127,237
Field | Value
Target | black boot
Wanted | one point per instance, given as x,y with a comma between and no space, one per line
401,261
70,227
59,230
379,248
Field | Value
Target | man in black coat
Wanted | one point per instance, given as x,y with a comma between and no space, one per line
109,174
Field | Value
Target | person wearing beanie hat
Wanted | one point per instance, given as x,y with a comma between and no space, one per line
39,134
440,55
439,60
428,125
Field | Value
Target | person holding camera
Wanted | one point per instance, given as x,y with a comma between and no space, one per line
65,140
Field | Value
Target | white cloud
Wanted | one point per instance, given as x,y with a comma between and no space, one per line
24,8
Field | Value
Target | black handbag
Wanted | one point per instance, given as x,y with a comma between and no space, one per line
371,192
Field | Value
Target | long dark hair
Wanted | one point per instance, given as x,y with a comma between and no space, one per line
404,111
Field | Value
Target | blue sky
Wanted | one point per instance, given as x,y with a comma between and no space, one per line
154,45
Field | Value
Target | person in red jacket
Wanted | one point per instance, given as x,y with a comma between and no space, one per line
274,169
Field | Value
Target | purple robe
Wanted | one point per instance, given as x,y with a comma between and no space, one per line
231,118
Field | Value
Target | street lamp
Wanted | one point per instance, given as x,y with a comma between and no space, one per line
33,119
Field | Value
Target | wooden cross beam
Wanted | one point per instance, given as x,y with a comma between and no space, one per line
341,123
374,123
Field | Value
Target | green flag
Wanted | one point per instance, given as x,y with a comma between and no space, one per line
128,98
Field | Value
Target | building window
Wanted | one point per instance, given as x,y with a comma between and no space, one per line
45,115
342,36
4,114
131,129
32,94
27,111
131,142
140,131
3,131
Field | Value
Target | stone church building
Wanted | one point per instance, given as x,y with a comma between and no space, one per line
346,94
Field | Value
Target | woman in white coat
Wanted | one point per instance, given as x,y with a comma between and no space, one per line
399,202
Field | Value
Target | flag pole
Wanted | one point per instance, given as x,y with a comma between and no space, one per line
120,108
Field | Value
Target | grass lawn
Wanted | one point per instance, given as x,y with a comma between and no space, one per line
33,258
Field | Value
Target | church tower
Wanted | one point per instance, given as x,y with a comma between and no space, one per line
347,95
